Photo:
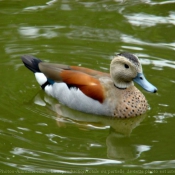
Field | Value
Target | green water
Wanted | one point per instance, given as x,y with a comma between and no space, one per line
34,138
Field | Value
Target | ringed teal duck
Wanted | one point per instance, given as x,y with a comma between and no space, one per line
92,91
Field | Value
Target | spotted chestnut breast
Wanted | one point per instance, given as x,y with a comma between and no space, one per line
132,103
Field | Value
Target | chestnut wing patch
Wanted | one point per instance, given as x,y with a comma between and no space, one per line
89,85
75,76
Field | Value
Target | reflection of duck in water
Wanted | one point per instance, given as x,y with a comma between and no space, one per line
124,148
119,145
92,91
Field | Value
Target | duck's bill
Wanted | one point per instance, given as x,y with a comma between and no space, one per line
141,80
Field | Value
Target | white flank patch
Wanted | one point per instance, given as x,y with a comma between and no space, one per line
40,78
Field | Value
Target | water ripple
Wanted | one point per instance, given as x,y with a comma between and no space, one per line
39,7
147,20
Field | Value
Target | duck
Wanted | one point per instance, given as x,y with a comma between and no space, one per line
90,91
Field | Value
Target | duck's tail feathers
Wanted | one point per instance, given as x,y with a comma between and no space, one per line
31,63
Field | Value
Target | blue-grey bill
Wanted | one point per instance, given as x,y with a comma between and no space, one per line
141,80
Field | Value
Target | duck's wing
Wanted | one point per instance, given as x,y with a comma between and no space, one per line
87,80
75,77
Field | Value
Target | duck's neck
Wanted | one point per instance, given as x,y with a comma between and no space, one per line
119,87
123,85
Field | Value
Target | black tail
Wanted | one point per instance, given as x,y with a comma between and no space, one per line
31,63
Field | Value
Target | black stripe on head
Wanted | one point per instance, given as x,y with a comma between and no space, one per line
129,56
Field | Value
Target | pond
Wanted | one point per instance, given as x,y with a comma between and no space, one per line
40,135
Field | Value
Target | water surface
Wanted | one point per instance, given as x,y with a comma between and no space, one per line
40,135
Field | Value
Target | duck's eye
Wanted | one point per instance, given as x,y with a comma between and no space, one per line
126,66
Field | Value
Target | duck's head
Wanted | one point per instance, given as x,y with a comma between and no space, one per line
126,68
